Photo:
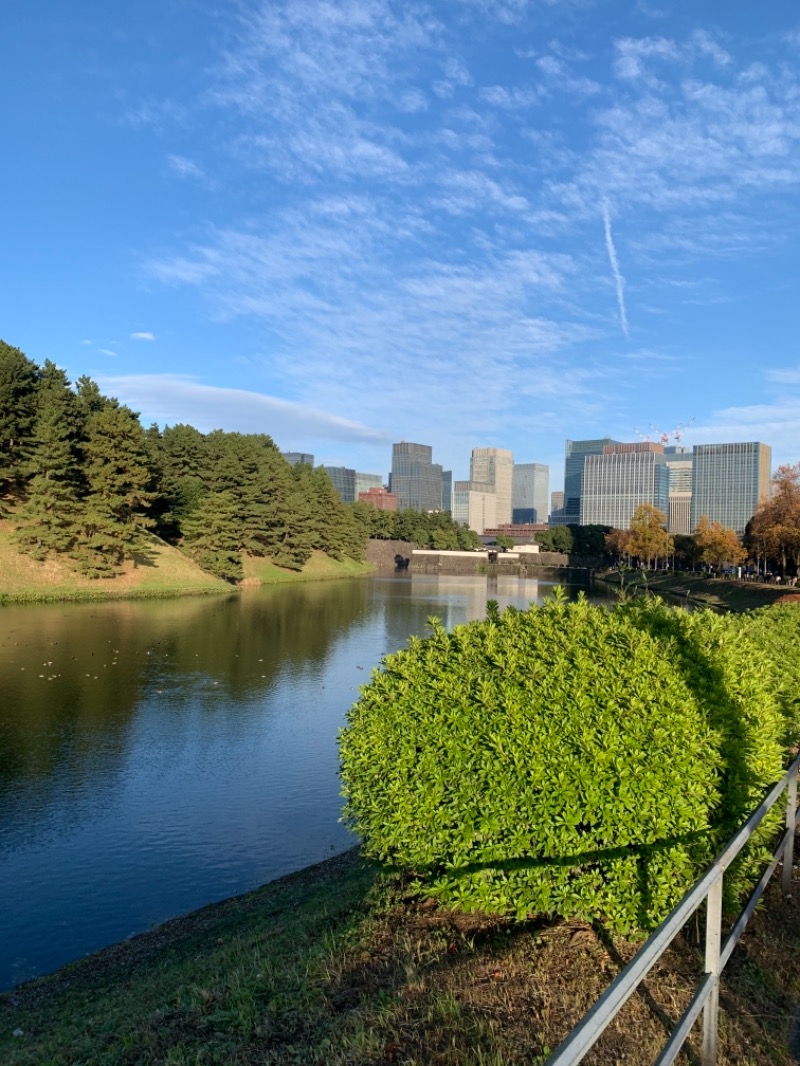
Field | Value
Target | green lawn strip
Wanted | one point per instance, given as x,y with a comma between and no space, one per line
319,567
234,982
339,965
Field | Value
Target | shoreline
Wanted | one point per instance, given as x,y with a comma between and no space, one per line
717,593
340,964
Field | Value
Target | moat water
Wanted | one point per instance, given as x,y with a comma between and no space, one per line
157,756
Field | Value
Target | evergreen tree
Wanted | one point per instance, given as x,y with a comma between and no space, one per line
48,520
212,535
18,380
118,478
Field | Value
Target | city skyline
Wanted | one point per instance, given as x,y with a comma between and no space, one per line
461,222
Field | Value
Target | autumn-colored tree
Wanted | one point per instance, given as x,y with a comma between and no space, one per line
649,540
774,531
717,544
618,542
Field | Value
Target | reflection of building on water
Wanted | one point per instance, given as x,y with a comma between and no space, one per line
460,599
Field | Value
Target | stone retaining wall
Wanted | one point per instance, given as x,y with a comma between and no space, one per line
381,553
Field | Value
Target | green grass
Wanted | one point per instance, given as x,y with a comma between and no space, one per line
319,567
159,571
340,965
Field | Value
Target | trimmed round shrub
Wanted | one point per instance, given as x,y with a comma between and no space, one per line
562,760
775,631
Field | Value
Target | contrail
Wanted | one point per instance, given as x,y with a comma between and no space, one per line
618,278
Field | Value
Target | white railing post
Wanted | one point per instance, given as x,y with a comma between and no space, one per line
791,815
713,947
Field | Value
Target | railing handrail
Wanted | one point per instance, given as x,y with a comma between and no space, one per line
706,998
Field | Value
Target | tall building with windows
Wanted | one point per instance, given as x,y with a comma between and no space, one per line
575,452
556,508
620,480
530,488
298,457
365,482
474,504
447,490
679,464
729,481
495,467
344,481
416,479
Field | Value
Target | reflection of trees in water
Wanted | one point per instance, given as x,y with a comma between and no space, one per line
72,678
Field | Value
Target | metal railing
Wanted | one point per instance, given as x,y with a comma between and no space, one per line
706,998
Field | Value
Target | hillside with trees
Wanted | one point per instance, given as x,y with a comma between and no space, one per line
82,482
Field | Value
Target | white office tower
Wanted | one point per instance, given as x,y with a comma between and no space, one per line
495,467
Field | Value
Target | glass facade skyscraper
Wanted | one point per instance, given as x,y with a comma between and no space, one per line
416,479
530,492
729,481
344,481
575,452
620,480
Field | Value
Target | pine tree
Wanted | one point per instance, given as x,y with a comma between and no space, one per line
118,478
18,380
212,535
48,519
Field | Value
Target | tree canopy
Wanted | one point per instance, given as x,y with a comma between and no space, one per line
81,478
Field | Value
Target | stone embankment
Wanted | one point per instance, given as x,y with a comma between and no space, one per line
381,553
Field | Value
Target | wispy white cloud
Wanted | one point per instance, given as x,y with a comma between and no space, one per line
632,54
143,336
784,376
107,351
186,168
619,281
421,207
170,399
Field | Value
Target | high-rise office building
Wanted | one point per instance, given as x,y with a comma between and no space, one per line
556,508
474,504
575,452
530,487
344,481
365,482
416,479
495,467
679,464
729,481
620,480
447,490
298,457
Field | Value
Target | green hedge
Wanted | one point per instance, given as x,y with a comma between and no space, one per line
562,760
775,631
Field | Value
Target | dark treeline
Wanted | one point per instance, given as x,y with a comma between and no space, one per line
574,539
81,478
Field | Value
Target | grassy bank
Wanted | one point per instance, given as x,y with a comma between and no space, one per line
721,593
338,964
320,567
158,571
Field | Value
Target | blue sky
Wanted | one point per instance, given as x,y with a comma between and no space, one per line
473,223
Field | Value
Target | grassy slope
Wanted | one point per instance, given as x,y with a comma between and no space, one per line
163,571
319,567
336,965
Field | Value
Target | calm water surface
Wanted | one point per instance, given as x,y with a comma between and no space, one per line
158,756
